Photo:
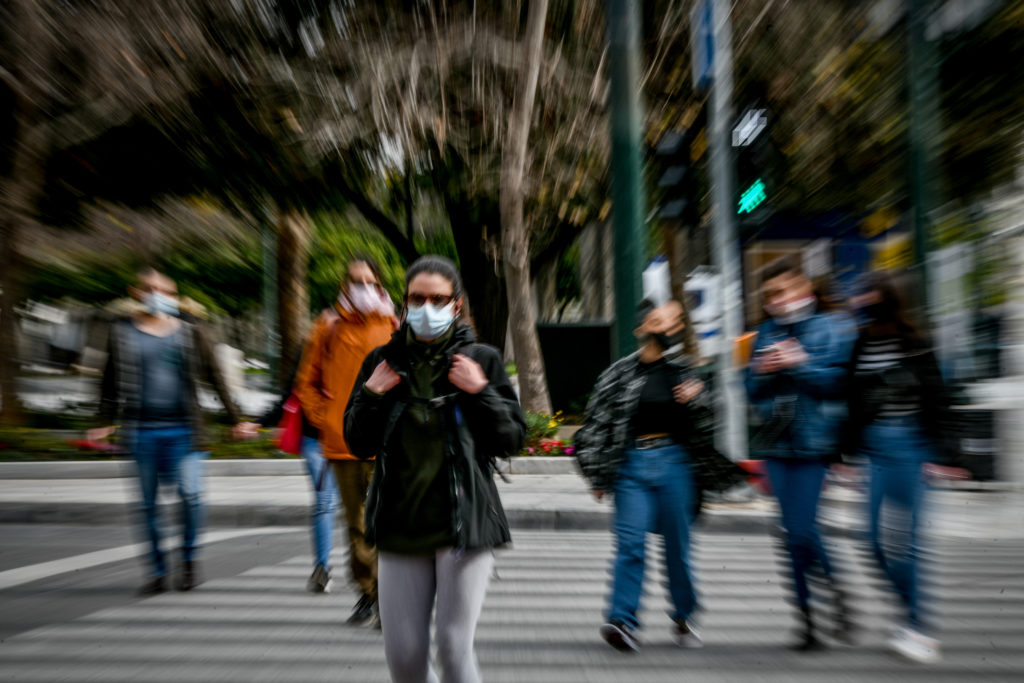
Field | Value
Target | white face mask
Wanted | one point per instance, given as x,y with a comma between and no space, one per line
364,298
160,304
793,311
430,322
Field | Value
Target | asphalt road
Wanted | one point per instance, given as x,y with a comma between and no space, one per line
252,620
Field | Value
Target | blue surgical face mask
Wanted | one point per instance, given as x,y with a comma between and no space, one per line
430,322
160,304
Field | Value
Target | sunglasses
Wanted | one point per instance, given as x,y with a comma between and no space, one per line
436,300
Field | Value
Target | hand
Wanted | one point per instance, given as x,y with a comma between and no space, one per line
383,379
244,430
688,390
466,374
599,494
933,471
791,353
100,433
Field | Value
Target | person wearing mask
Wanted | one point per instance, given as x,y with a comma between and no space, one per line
362,318
898,407
795,379
647,438
150,387
436,409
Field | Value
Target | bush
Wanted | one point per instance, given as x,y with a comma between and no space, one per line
540,432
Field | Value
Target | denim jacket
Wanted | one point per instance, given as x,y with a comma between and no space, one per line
801,408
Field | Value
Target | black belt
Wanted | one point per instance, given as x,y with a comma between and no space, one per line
653,442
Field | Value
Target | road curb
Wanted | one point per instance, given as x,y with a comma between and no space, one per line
298,515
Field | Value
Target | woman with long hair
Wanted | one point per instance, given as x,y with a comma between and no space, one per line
436,409
897,406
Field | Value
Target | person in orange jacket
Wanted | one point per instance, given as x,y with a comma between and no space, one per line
362,319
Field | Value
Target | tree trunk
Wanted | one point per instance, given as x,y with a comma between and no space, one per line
515,243
485,286
293,240
19,193
12,412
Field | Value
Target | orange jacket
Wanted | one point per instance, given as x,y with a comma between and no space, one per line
330,364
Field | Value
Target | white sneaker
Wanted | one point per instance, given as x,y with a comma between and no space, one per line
687,636
915,646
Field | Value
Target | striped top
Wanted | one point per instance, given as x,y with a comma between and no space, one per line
879,356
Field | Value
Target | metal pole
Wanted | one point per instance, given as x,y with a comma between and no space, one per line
725,247
270,335
627,181
922,127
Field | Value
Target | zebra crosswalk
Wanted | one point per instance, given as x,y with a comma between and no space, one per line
540,623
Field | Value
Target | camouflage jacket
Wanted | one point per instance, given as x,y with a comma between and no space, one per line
602,442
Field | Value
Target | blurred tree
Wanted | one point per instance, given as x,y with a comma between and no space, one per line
515,239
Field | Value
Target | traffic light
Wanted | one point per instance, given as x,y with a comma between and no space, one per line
677,182
755,164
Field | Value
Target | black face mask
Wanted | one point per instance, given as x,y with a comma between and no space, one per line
664,341
879,312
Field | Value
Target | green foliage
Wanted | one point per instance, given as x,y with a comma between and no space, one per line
32,444
540,427
338,237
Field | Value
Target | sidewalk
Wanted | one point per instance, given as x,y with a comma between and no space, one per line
542,493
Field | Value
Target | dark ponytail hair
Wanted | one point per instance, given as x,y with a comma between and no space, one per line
370,263
893,309
435,265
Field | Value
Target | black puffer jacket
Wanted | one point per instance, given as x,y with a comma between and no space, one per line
479,429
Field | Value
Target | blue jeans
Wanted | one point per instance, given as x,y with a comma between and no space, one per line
165,455
797,486
897,449
654,492
325,500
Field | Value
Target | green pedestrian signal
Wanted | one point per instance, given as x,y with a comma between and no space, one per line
752,197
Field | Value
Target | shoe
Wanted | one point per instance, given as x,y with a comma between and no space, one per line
687,636
154,586
844,630
620,636
189,577
364,612
915,646
320,581
807,639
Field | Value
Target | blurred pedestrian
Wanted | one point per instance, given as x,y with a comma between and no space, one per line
154,362
361,319
325,489
898,409
648,438
436,408
797,375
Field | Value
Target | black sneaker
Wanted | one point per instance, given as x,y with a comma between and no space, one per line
189,576
620,636
364,613
154,586
320,581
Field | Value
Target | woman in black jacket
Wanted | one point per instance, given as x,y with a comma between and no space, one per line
897,408
436,409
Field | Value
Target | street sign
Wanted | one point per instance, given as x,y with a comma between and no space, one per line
749,127
702,44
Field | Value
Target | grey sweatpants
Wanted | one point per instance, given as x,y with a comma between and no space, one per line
407,586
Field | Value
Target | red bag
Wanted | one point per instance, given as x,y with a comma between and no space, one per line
290,427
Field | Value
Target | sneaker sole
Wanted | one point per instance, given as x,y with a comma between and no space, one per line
619,639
